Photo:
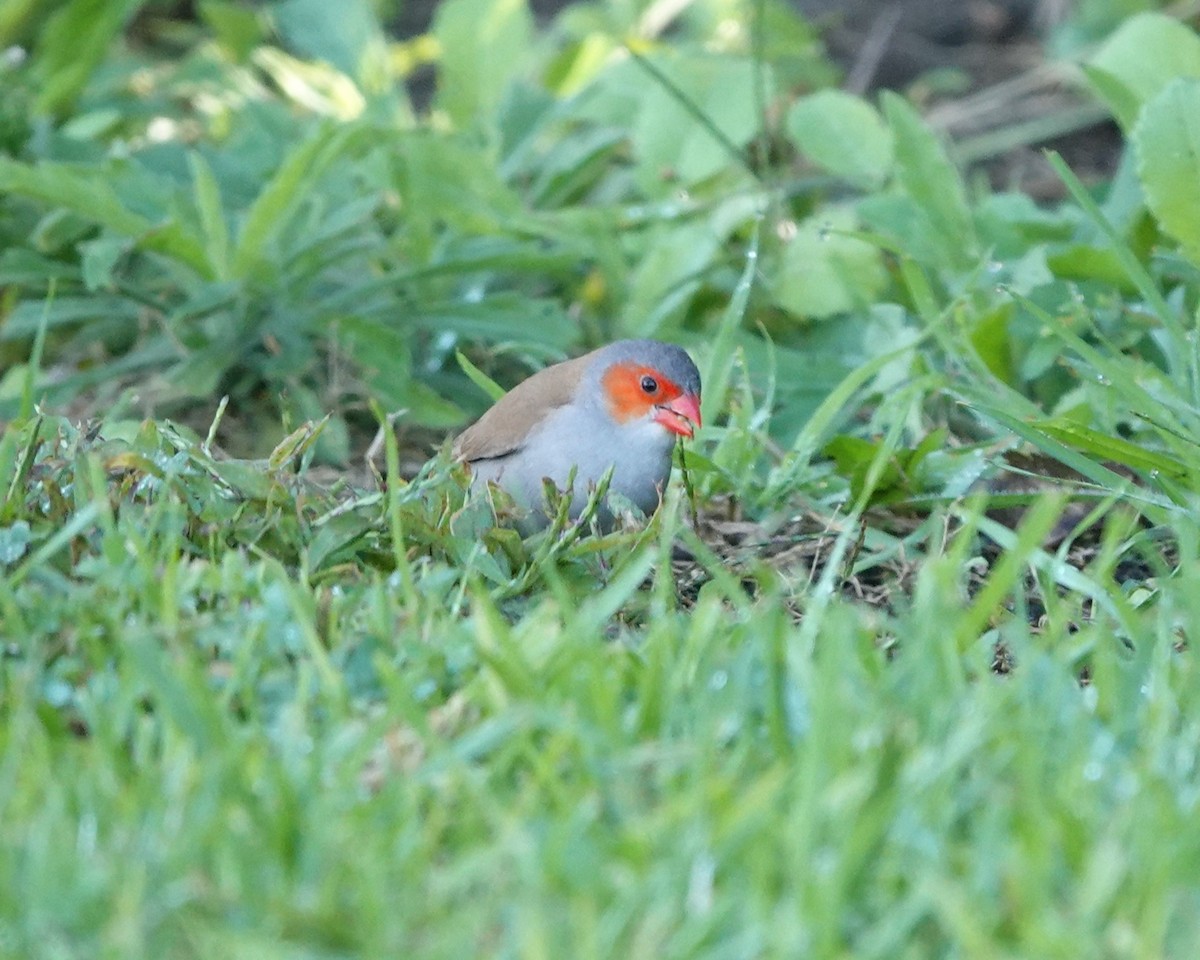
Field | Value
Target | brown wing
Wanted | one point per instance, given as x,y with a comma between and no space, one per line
504,427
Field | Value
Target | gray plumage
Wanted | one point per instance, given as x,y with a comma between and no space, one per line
559,418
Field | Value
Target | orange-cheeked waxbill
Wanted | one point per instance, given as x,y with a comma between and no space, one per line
621,406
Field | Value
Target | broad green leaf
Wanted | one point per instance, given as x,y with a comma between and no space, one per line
238,29
906,224
273,210
856,459
832,406
525,112
824,271
19,266
84,191
1167,140
1029,272
99,259
425,406
579,63
345,34
451,180
485,45
14,541
688,122
503,316
991,338
28,315
669,273
1145,53
244,477
18,18
573,166
1078,261
844,135
207,196
382,351
924,172
465,254
201,371
794,45
1010,223
72,45
80,189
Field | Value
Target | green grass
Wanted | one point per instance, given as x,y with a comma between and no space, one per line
920,682
207,750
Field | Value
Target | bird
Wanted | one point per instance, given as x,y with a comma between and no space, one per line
621,406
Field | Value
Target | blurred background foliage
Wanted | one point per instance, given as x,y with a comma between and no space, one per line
308,206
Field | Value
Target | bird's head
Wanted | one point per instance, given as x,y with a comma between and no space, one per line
645,381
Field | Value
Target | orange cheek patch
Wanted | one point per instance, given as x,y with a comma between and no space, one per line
626,398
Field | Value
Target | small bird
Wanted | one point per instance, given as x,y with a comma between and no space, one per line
620,406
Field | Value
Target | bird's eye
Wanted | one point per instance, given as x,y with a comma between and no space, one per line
649,385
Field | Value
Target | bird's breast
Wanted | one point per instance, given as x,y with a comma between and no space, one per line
589,442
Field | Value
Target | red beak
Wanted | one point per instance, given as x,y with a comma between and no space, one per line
681,415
